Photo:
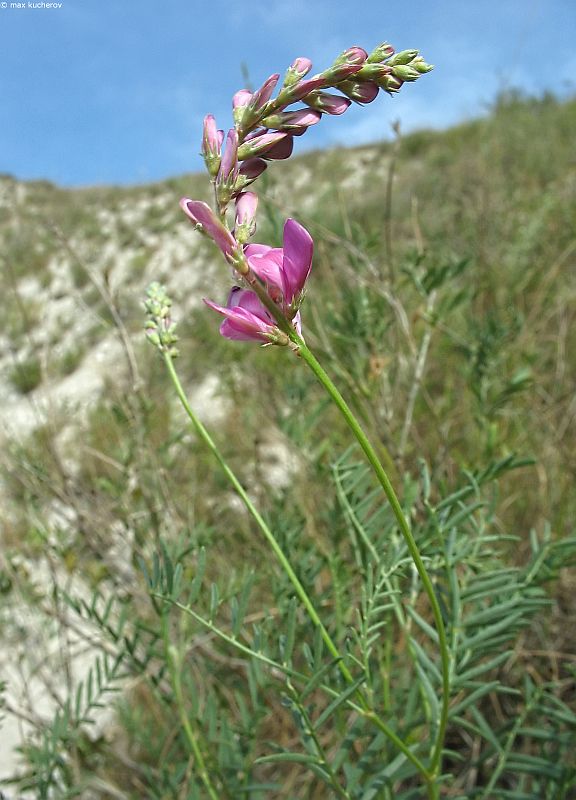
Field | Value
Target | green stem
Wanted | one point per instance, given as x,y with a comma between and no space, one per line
251,508
364,709
384,481
175,678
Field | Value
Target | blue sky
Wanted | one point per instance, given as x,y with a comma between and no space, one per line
105,91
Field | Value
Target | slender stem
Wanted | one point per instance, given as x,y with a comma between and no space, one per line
306,354
363,708
279,553
191,735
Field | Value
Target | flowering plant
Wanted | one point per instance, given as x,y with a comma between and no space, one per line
371,725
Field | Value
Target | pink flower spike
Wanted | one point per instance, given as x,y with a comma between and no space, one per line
246,318
201,214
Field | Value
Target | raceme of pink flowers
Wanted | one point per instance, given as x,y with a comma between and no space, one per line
284,272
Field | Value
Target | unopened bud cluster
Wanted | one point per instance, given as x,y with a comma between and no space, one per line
264,306
160,329
263,127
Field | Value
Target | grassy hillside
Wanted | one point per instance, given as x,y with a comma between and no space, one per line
443,300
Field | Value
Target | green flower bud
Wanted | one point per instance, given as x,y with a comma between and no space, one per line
406,72
403,57
420,65
380,53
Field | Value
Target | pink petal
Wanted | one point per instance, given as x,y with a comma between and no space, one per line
210,140
267,263
298,251
247,321
230,158
264,92
280,150
259,145
246,205
201,214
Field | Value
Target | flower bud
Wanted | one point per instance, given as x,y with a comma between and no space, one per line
252,168
403,57
240,102
340,72
160,327
296,71
361,92
248,172
281,149
380,53
421,66
228,172
203,218
292,120
257,102
259,145
300,90
372,72
246,205
264,93
211,145
353,55
328,103
406,72
390,83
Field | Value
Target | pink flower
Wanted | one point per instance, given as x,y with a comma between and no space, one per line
328,103
361,92
246,318
201,214
292,120
259,145
284,270
240,103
